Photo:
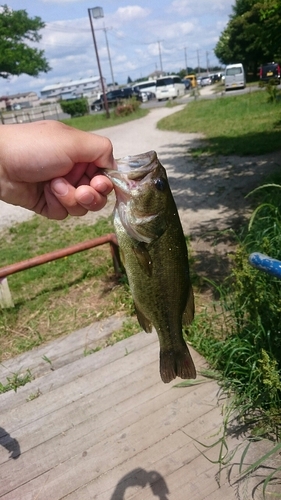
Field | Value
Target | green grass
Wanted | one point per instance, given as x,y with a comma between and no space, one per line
100,121
232,125
58,297
241,337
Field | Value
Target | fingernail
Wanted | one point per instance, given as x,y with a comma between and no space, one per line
60,187
102,187
86,199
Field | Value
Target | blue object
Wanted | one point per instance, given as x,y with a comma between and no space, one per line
266,264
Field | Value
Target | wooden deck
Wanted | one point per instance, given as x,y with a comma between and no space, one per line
105,427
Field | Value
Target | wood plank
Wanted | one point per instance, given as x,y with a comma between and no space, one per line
167,455
90,365
61,351
87,437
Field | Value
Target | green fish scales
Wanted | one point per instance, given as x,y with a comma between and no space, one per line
154,253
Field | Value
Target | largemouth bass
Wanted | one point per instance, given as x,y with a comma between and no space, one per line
154,254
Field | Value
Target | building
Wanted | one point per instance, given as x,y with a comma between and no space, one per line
19,101
73,89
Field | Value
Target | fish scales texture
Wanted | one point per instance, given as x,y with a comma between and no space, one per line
154,254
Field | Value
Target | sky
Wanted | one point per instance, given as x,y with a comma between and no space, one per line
141,36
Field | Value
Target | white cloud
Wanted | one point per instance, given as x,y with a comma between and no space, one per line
131,12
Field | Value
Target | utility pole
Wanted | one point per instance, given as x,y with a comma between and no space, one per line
97,12
109,58
160,57
185,58
198,62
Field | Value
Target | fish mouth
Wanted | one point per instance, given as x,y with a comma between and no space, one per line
131,170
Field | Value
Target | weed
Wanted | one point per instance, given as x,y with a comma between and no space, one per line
45,358
15,381
273,92
88,352
34,395
130,327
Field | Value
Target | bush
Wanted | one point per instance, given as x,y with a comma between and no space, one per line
76,107
126,108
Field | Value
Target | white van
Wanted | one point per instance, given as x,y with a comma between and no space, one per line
146,86
168,87
234,76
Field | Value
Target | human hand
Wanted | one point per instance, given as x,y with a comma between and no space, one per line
53,169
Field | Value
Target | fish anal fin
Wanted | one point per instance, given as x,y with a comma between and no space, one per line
143,321
176,363
188,313
143,258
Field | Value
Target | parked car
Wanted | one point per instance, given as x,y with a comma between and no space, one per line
129,92
114,97
270,71
216,77
169,87
235,76
206,80
147,87
187,83
192,79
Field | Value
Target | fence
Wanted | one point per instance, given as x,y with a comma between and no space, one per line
50,111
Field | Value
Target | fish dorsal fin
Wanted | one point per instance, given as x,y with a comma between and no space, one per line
142,254
143,321
188,313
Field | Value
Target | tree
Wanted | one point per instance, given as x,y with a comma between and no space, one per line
76,107
129,80
252,35
16,56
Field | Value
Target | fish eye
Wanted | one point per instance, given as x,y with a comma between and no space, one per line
160,184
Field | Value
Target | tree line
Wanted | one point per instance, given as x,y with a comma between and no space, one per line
252,35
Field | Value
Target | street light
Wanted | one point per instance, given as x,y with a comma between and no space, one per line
96,13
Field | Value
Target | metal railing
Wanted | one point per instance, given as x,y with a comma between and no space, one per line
5,295
64,252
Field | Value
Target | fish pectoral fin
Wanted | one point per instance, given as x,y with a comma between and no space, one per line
143,321
188,313
153,226
143,258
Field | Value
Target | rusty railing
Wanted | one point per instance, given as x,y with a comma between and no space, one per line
64,252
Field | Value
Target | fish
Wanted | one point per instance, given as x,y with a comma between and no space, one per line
154,254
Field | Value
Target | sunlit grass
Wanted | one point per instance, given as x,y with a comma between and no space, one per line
241,124
100,121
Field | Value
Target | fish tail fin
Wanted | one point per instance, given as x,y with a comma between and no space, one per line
176,363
